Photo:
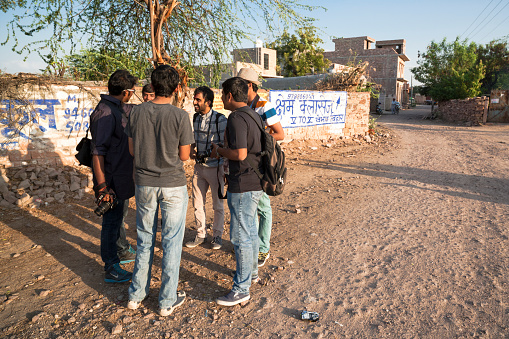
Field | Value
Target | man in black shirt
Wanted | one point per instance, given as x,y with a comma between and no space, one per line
112,166
243,139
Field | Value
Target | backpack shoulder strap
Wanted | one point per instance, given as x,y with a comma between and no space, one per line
250,161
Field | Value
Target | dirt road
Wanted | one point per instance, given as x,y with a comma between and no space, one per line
404,238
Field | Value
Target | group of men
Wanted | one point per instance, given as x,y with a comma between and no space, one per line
157,137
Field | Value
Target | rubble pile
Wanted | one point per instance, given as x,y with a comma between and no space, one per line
33,186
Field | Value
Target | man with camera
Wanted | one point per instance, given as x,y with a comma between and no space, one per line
209,126
112,166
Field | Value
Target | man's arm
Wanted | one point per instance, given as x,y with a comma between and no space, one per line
131,146
277,131
98,165
184,152
193,151
230,154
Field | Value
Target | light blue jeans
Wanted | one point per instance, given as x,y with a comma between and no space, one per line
173,202
265,224
244,237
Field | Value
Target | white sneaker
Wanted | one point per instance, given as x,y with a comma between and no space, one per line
181,296
133,305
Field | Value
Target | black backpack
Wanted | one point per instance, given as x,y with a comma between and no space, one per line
273,178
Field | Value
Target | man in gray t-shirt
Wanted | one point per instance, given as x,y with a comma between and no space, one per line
160,138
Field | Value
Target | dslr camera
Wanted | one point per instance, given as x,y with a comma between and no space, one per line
201,157
104,206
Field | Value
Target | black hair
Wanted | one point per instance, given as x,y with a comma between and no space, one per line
207,93
255,87
147,89
237,87
121,80
165,80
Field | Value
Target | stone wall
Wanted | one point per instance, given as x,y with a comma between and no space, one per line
472,110
58,116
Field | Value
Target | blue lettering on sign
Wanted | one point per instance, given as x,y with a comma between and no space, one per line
9,145
13,129
309,108
71,98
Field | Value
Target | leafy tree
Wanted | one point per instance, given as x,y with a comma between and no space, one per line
450,70
94,65
182,33
299,54
495,56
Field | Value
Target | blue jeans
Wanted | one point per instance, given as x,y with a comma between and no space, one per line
244,237
122,243
265,224
173,202
113,219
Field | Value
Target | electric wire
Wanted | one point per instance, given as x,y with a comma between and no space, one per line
476,18
484,19
495,28
491,19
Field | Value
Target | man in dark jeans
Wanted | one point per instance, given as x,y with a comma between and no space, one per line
243,139
112,165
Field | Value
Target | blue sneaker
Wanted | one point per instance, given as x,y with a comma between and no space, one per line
117,275
127,256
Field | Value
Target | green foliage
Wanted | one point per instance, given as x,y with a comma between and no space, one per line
450,70
196,33
495,57
503,81
299,54
372,125
94,65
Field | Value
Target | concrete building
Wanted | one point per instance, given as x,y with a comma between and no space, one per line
262,60
386,63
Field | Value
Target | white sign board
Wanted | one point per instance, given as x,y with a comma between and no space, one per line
309,108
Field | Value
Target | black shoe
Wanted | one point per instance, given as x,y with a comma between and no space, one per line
127,256
216,243
117,275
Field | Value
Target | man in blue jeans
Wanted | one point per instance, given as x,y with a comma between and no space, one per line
113,172
243,139
160,138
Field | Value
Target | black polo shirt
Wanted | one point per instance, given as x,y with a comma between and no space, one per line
242,132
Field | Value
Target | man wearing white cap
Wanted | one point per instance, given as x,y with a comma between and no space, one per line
268,113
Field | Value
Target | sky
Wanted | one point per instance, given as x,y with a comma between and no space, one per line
417,22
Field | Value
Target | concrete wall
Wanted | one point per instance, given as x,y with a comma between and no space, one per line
472,110
58,116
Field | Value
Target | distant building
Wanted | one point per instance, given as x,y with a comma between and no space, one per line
386,62
262,60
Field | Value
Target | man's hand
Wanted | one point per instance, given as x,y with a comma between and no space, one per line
104,189
214,153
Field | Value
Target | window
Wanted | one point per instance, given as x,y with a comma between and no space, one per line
265,61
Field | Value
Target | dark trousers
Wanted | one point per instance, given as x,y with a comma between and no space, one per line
112,221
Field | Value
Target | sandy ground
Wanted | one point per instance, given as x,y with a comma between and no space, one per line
406,237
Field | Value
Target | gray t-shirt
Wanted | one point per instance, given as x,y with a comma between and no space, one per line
157,131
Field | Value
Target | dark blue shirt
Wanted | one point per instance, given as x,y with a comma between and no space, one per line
107,124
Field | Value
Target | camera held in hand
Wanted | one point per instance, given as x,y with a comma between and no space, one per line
105,205
201,157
